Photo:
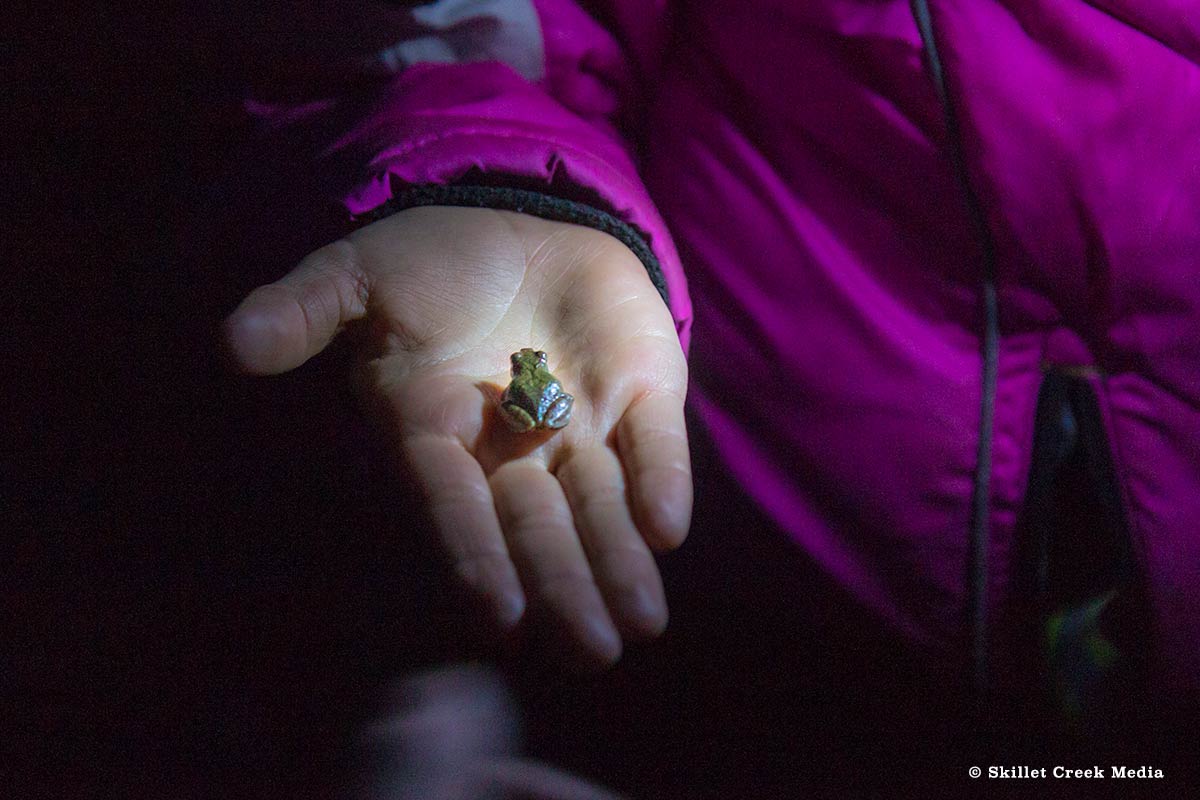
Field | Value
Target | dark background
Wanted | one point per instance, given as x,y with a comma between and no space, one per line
192,551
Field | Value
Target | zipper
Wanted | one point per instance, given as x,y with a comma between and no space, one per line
977,573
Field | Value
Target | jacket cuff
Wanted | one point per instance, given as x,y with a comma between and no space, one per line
545,206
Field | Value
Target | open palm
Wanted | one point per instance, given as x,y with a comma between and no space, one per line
564,520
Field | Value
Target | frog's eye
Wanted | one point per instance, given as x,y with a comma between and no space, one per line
541,357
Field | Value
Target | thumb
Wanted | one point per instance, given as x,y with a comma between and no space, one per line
283,324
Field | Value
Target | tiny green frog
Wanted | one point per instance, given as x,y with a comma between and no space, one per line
535,399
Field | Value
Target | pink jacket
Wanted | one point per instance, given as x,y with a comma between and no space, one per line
826,223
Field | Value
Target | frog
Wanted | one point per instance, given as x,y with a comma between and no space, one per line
535,399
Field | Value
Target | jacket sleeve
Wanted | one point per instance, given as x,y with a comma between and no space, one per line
538,95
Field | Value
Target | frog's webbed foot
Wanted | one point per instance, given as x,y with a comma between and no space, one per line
559,412
517,418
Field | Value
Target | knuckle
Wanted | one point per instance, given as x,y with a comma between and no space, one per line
624,564
342,265
563,588
667,471
536,519
340,256
603,503
447,509
659,439
480,573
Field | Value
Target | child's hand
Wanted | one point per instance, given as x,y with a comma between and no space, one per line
566,519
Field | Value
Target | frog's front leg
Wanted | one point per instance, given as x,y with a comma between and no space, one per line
559,413
517,418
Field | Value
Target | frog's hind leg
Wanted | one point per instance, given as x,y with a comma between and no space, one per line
559,412
517,418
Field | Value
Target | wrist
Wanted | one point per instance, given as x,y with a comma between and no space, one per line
525,201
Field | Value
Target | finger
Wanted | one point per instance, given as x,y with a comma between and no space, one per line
549,558
460,502
283,324
621,562
520,777
652,441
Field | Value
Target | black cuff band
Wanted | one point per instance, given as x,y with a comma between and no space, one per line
537,204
